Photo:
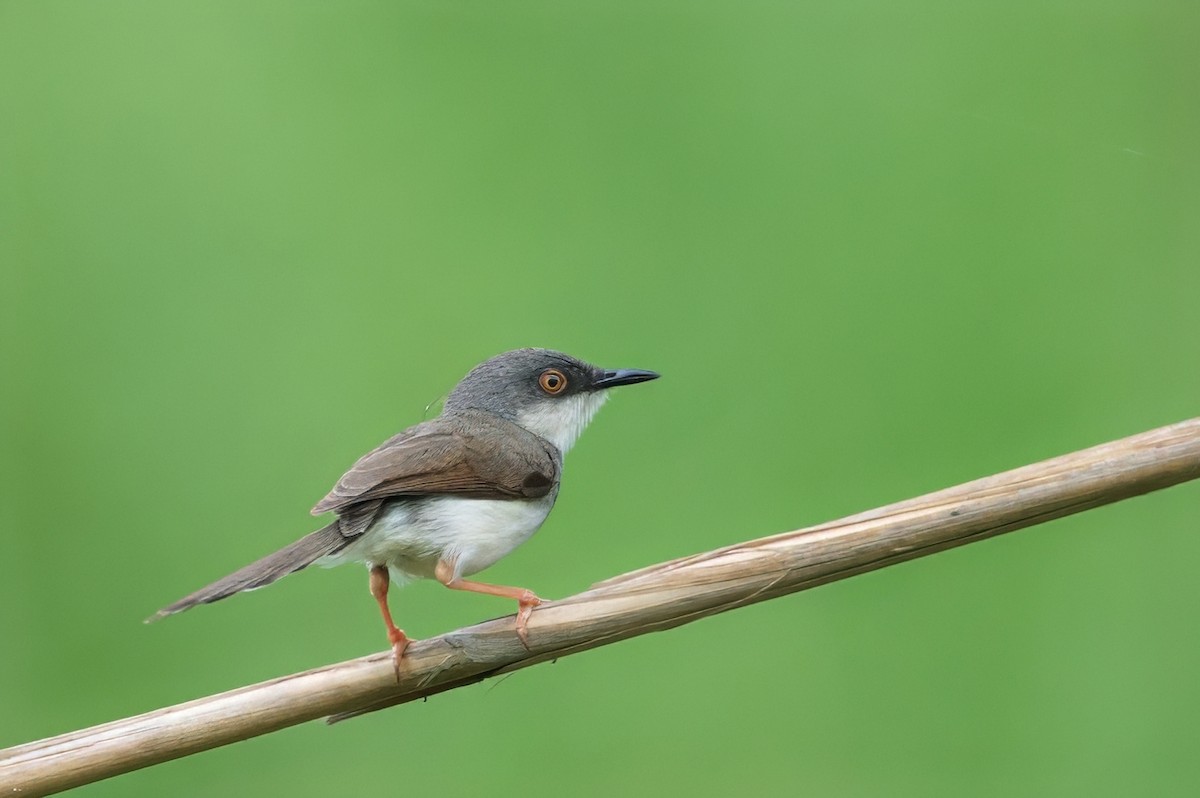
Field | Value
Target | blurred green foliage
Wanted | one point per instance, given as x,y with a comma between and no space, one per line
875,249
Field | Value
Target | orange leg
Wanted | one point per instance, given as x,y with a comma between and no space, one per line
379,589
526,600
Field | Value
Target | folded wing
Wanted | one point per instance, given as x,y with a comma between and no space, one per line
470,454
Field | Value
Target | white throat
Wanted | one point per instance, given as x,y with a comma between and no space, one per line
562,422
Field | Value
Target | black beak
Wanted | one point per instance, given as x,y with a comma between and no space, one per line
611,379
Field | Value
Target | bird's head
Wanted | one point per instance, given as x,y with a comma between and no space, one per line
551,394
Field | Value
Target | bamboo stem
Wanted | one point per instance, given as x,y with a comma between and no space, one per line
652,599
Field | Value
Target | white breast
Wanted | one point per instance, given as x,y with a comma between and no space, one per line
472,534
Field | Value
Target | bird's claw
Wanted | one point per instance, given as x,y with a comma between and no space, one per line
399,642
526,603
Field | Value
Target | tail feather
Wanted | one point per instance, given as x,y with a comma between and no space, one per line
263,572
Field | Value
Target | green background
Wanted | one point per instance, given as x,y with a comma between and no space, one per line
875,249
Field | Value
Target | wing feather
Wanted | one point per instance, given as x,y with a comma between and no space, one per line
470,454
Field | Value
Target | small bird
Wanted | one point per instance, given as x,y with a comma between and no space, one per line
450,496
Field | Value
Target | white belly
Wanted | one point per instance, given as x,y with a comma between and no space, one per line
410,537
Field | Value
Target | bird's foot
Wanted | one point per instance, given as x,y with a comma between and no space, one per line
526,599
525,602
399,642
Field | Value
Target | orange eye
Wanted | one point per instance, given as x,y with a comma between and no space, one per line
553,381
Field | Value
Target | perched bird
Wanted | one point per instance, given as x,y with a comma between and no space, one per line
451,496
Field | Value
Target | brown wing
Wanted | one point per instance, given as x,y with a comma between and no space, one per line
469,454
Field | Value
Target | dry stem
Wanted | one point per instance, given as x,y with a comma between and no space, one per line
649,600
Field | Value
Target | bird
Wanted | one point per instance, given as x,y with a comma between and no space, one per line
450,496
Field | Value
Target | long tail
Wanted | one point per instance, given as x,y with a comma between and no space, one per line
275,566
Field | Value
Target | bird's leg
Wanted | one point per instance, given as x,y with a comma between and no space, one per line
526,600
379,589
